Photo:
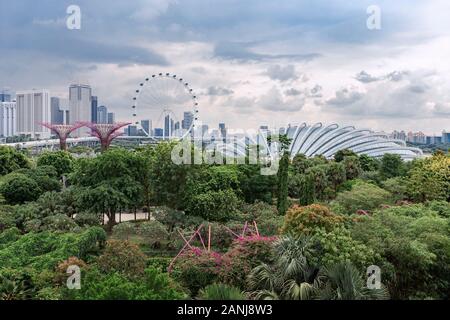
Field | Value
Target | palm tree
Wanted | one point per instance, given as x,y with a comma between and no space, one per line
218,291
291,277
12,289
345,282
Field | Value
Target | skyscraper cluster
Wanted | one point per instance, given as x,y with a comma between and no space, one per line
421,138
24,115
171,127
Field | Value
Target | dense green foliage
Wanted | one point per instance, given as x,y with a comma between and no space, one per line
309,232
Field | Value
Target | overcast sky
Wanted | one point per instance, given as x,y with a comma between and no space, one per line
251,62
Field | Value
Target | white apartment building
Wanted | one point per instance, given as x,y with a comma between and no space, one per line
32,109
7,119
80,97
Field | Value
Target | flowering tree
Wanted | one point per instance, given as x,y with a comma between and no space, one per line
106,133
63,131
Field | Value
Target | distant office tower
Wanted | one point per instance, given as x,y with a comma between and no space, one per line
111,118
445,137
177,125
7,119
204,129
94,106
64,107
169,126
434,140
159,132
102,115
5,97
223,130
80,101
57,115
33,108
188,118
132,131
147,127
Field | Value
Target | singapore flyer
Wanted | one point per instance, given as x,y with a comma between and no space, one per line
164,107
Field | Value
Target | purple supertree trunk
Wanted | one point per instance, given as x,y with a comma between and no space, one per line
106,133
63,131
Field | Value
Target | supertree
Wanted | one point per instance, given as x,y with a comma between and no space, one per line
63,131
106,132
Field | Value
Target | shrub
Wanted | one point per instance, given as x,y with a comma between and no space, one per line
17,188
362,196
172,218
197,269
11,160
8,236
160,263
221,292
214,205
59,223
221,237
441,207
123,257
153,231
7,220
245,254
124,230
88,219
61,270
46,249
338,246
305,220
152,285
397,187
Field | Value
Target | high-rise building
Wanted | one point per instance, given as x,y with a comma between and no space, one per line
94,106
159,132
5,97
32,109
416,137
111,118
147,127
400,135
169,126
102,115
132,131
204,129
7,119
445,137
433,140
57,115
64,107
223,130
188,118
80,106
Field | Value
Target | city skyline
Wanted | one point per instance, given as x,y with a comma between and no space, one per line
330,68
60,110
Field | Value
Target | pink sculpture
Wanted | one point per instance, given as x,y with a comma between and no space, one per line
63,131
106,133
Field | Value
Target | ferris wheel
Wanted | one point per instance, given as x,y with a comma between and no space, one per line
165,107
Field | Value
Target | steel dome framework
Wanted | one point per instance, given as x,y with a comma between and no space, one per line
317,139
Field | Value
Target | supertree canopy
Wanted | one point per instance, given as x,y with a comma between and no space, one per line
63,131
106,132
